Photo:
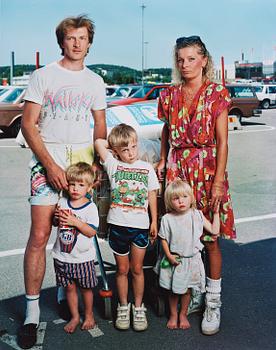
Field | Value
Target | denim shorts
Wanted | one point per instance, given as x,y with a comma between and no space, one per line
121,238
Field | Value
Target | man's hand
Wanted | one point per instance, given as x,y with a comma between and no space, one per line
98,170
56,177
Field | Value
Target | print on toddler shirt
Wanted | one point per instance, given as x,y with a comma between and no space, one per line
67,236
131,189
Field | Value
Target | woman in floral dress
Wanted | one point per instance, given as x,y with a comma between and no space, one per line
194,147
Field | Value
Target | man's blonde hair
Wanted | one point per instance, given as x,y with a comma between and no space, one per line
121,135
80,172
175,189
74,22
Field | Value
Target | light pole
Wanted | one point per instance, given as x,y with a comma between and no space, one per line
146,54
143,8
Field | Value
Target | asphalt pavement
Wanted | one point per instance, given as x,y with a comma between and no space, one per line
249,264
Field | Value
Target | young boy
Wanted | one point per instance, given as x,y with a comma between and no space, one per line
77,219
133,188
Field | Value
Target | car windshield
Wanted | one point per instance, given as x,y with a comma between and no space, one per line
258,88
13,95
142,92
2,91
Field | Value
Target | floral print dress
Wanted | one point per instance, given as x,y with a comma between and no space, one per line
192,140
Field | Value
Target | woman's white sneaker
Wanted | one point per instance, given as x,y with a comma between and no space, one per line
211,318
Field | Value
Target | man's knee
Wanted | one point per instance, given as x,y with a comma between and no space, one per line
38,238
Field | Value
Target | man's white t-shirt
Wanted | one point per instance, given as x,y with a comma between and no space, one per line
67,98
72,246
130,184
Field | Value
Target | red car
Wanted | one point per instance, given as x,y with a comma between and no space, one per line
146,92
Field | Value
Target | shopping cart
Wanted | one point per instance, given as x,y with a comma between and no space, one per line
153,293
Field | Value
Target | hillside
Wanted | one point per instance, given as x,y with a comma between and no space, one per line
112,74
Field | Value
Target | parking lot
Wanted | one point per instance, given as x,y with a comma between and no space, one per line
249,284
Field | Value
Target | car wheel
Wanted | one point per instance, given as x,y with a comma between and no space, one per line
14,128
265,104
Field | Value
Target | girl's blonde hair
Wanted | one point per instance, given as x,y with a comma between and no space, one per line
175,189
121,135
80,172
193,41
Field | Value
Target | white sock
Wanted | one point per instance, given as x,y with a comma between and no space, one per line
61,294
32,309
213,286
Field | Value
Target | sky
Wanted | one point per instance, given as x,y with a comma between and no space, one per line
227,27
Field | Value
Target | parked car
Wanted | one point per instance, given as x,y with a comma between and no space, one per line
244,101
146,92
266,95
11,109
123,91
110,89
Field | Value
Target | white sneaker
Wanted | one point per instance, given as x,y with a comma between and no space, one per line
123,317
140,322
211,317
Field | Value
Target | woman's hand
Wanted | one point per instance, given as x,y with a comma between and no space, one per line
217,194
160,169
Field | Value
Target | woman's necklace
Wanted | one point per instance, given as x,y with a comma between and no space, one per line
189,94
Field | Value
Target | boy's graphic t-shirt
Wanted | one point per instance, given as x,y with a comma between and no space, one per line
71,245
130,184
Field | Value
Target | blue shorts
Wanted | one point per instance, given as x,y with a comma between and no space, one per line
84,274
121,237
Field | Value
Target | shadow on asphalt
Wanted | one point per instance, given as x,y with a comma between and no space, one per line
248,311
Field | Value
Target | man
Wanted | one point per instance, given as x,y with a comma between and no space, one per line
59,99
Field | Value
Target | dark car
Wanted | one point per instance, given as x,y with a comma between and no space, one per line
244,101
146,92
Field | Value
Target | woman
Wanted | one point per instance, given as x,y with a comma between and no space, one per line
194,147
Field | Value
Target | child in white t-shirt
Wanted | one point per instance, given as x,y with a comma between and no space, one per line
74,253
134,186
181,268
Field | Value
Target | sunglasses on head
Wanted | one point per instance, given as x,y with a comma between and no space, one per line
189,39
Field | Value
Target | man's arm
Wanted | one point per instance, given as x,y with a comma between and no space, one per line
55,175
99,124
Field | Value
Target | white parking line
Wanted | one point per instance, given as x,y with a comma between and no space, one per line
266,128
256,218
21,251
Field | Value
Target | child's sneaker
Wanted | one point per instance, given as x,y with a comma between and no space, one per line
123,317
140,322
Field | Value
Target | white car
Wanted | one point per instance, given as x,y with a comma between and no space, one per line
266,95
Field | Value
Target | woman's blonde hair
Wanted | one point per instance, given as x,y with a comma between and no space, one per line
175,189
80,172
121,135
192,41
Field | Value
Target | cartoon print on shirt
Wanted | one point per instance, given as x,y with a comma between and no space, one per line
130,191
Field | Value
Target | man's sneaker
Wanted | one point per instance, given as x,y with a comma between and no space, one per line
123,317
27,336
196,303
139,318
211,318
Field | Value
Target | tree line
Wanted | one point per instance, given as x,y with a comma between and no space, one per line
112,74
